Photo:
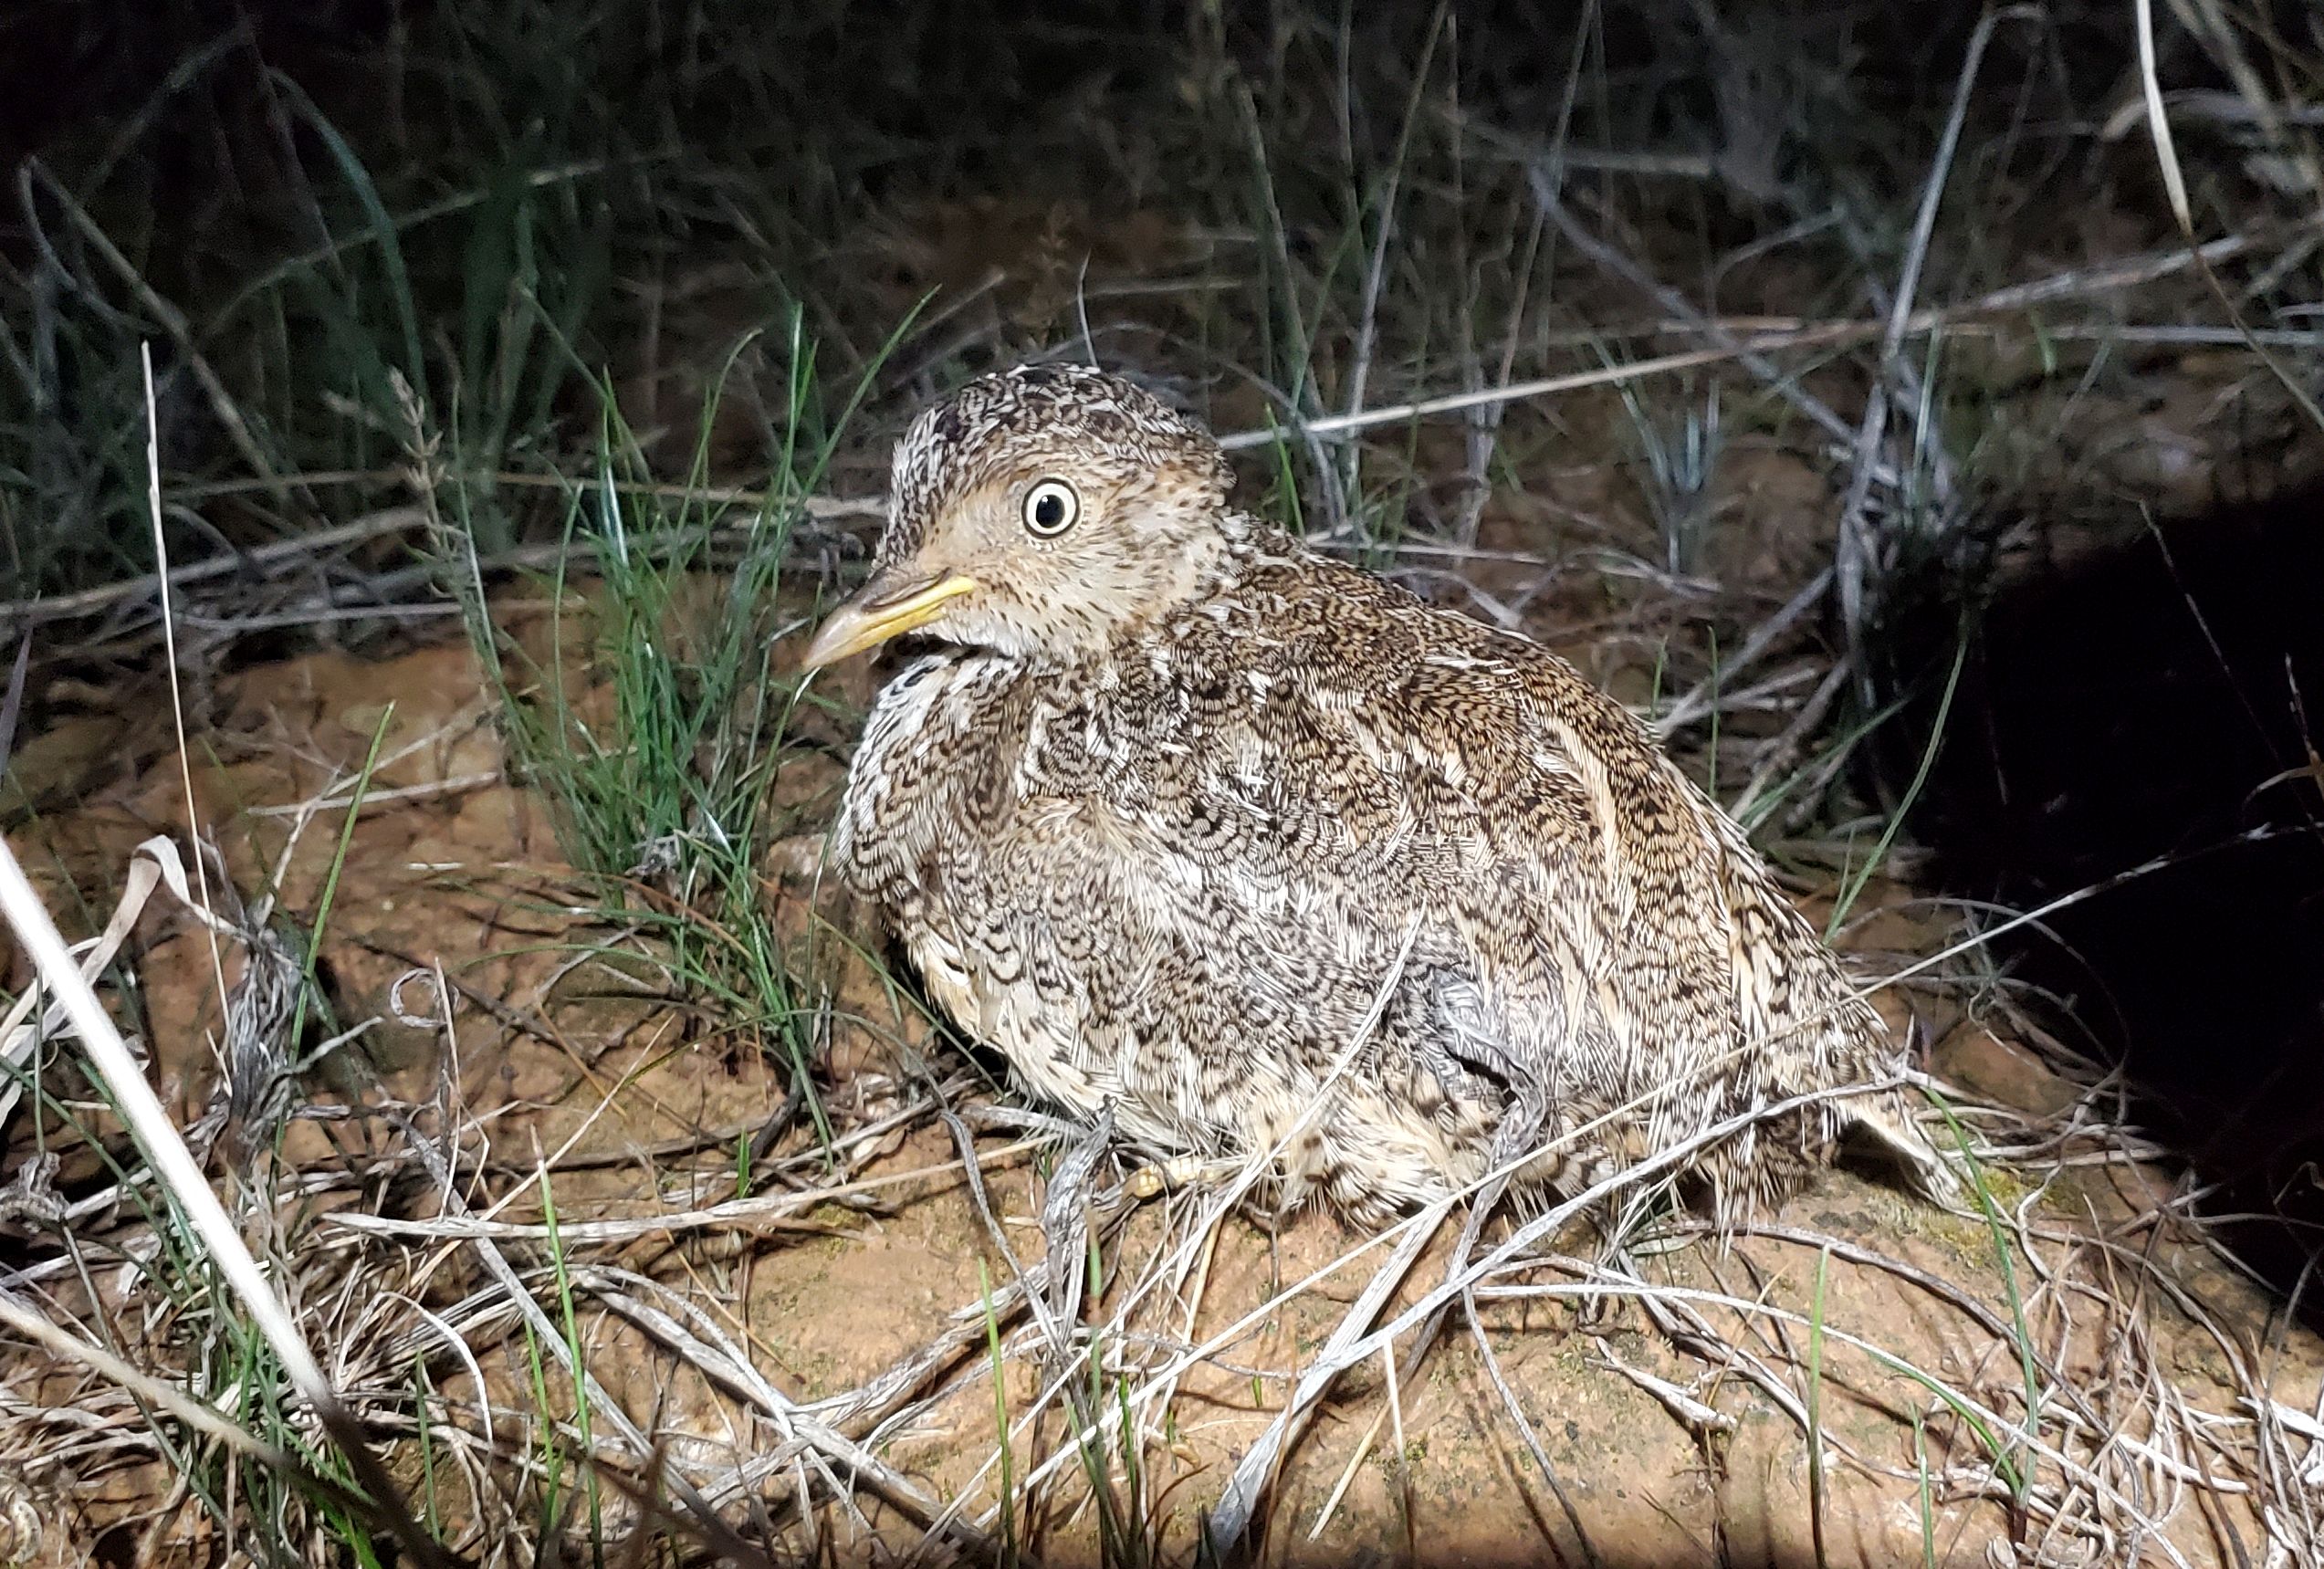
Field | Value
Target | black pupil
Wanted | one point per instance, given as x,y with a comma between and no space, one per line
1049,510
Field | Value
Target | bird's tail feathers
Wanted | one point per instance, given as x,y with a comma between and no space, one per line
1893,1136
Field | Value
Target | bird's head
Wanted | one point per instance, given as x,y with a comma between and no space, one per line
1037,512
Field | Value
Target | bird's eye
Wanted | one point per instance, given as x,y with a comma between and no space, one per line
1051,508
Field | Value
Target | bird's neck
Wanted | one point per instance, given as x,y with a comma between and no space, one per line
1251,545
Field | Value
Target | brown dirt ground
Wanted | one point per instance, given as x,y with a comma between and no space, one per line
619,1092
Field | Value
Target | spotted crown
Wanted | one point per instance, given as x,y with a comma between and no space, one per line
998,425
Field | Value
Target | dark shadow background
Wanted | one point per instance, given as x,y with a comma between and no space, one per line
2137,729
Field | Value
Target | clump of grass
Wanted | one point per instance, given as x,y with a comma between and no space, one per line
657,739
245,1446
1680,456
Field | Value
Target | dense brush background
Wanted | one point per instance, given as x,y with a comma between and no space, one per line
509,203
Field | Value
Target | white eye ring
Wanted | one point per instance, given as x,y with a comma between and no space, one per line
1051,506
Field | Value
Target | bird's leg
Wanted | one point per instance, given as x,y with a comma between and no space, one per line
1526,1114
1065,1223
1455,1040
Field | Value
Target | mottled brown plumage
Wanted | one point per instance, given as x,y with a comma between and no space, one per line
1178,815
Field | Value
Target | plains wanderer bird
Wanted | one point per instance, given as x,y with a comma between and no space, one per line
1181,816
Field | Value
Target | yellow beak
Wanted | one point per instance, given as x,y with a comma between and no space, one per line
880,610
